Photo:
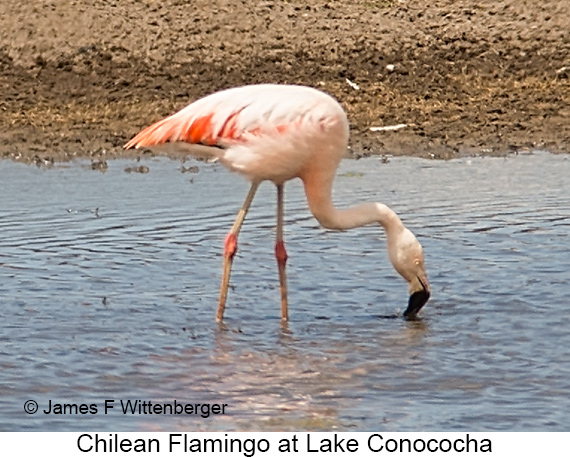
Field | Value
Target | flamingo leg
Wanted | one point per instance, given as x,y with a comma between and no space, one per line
281,254
230,249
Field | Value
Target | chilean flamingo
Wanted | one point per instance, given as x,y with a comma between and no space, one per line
277,133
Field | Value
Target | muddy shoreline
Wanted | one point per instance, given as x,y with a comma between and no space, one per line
78,79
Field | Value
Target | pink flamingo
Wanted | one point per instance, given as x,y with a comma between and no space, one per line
277,133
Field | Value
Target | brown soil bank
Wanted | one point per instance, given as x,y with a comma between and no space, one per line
79,78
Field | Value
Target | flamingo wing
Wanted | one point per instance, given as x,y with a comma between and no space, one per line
264,132
233,116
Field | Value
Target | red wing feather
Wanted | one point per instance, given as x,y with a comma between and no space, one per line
199,131
153,135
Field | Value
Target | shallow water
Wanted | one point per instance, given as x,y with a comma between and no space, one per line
109,284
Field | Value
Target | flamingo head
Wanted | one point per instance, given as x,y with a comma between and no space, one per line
406,254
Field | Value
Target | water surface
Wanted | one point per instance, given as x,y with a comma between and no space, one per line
109,284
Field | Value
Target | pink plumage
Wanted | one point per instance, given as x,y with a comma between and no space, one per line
277,133
265,132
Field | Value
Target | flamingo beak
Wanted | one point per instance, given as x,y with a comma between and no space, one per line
417,300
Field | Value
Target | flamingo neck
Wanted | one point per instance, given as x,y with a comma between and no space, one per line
322,207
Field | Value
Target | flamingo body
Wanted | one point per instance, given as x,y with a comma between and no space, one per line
264,132
277,133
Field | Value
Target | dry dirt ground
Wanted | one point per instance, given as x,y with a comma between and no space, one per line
79,78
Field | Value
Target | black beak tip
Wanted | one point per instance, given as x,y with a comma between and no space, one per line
416,303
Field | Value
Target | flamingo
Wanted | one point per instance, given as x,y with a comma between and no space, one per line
271,132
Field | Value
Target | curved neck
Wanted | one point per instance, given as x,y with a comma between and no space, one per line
321,205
